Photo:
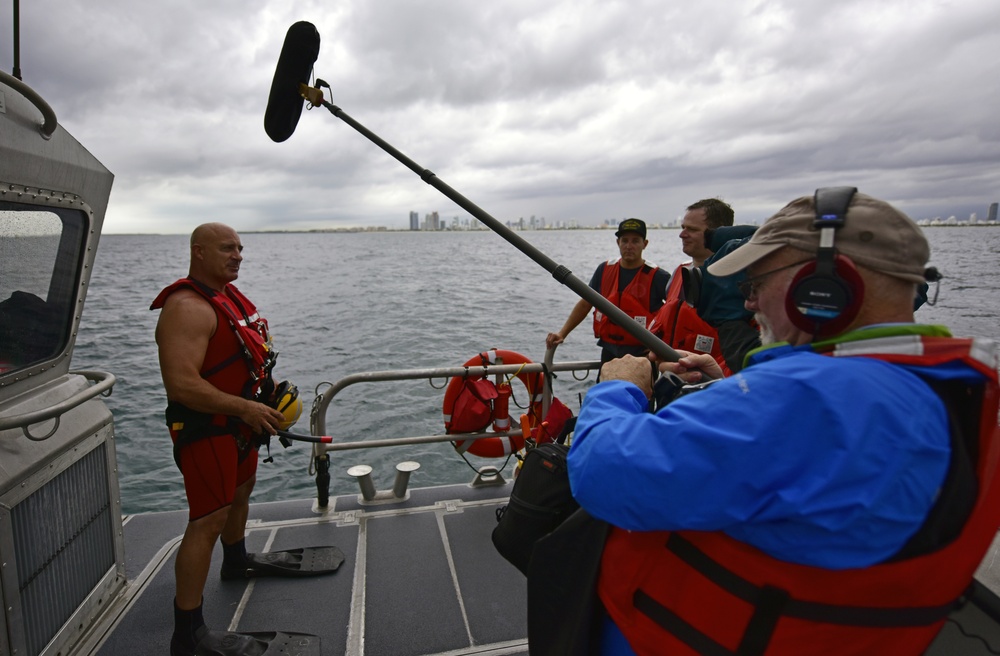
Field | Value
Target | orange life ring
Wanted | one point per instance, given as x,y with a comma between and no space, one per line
491,447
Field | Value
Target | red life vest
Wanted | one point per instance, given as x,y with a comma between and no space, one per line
237,361
677,323
689,592
633,301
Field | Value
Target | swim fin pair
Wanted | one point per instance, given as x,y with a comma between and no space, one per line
305,561
271,643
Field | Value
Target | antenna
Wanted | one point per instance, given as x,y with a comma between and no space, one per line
17,39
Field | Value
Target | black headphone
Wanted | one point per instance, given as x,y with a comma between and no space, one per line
826,295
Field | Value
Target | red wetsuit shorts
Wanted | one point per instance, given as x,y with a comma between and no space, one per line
212,471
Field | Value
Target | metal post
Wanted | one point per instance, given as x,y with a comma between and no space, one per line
403,471
364,475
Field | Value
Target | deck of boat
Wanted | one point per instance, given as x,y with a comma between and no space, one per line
420,577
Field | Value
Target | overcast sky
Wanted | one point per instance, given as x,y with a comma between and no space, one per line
573,111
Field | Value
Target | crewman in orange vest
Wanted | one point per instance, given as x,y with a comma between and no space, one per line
634,285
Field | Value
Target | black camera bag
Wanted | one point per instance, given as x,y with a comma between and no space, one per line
539,502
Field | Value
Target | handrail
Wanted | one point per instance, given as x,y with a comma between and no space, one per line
49,121
103,382
417,439
322,401
323,443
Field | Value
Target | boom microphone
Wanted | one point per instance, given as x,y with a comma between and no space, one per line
284,105
290,88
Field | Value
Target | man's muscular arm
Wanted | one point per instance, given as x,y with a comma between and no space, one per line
187,323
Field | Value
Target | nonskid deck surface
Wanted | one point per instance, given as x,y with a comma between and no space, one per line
420,577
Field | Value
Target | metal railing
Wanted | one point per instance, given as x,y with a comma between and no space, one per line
325,398
103,382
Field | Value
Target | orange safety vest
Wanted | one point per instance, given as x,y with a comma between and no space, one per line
237,361
677,323
690,592
633,301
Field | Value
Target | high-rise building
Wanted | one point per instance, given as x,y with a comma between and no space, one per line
414,221
992,215
432,222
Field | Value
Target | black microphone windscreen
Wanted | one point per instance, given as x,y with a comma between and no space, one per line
284,104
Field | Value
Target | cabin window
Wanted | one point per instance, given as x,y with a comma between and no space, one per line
41,250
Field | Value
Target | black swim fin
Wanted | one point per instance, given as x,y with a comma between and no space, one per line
306,561
271,643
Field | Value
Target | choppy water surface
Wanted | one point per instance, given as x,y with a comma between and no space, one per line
347,303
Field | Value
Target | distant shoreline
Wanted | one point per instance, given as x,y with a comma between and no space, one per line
383,229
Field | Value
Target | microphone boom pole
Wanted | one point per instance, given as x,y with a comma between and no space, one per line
562,274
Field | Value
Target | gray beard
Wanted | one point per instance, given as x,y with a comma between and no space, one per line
766,336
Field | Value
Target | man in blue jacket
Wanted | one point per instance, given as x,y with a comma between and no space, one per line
834,473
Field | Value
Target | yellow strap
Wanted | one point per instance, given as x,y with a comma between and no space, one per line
517,373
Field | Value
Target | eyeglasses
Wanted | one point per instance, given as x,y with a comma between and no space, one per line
750,287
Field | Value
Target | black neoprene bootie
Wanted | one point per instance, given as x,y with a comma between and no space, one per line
234,560
189,628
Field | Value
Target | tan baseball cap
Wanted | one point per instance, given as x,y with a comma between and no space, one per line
875,235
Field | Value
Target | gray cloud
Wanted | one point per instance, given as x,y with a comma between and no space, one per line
573,111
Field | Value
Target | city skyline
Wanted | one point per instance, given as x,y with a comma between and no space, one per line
433,222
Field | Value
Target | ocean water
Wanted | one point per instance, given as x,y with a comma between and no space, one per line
345,303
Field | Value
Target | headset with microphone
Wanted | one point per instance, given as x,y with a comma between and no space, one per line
825,296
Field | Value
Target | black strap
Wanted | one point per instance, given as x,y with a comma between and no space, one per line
768,610
566,431
236,357
198,426
205,289
670,621
870,616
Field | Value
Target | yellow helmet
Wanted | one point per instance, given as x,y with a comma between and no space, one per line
288,404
